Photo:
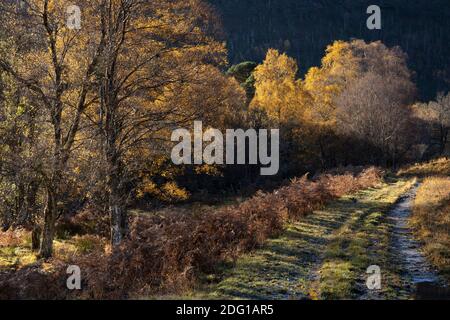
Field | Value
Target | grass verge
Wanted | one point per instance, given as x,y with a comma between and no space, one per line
431,221
437,167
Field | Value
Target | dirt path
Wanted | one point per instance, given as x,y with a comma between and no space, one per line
323,256
412,265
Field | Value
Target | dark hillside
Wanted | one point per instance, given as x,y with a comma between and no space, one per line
304,28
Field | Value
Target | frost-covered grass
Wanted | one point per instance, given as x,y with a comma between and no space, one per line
323,256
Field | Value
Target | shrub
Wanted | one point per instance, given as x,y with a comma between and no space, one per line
13,238
90,221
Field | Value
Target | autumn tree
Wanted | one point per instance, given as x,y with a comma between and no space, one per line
325,83
219,101
437,115
374,105
334,86
346,62
132,73
374,111
157,57
278,91
282,96
56,64
20,158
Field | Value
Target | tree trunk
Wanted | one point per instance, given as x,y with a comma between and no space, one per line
124,222
118,219
117,201
31,208
48,231
35,238
116,215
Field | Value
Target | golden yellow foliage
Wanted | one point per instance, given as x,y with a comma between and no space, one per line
278,92
169,191
325,83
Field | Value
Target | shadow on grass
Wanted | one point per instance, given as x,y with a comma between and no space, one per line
287,267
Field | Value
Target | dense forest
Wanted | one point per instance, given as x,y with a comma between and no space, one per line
91,96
